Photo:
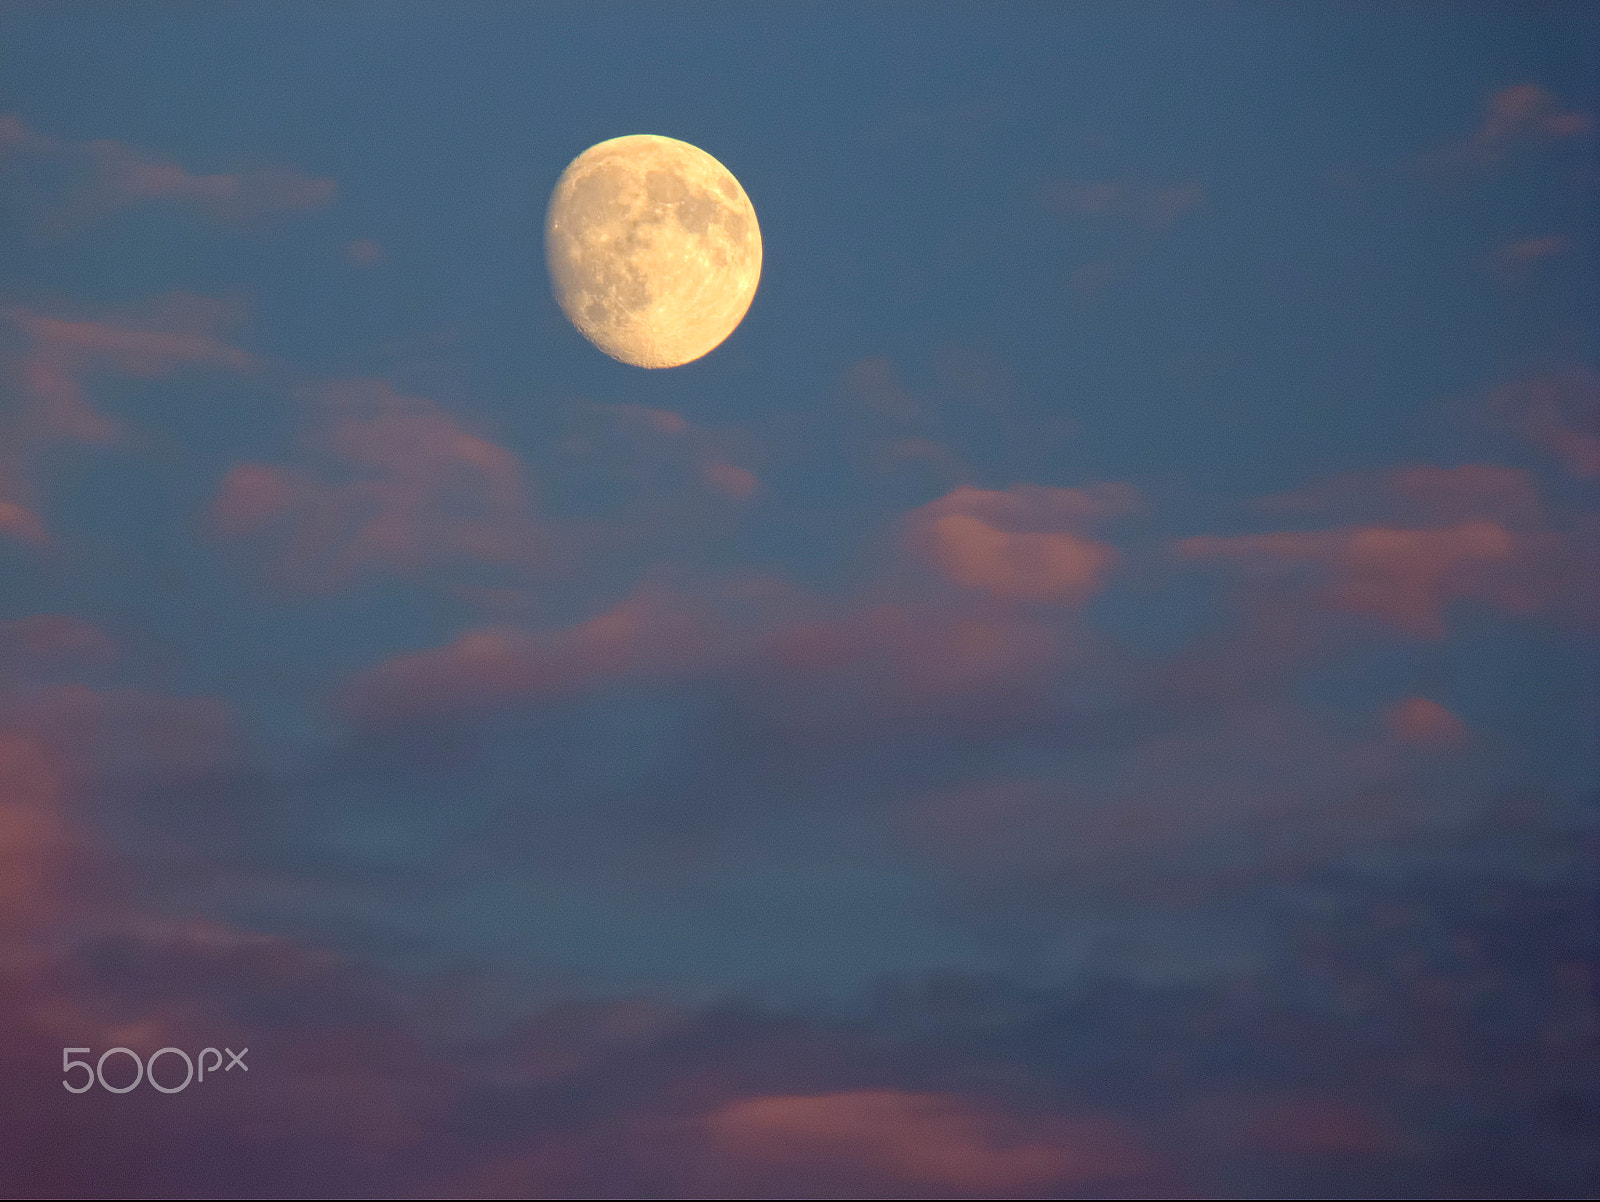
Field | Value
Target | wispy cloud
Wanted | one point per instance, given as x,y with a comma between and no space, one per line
1475,533
53,363
1517,118
61,185
889,1139
410,489
1559,412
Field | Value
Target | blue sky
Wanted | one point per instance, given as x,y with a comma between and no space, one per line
1144,531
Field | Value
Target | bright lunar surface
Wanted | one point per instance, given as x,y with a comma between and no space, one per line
653,248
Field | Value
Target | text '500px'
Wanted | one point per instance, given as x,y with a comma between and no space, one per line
146,1069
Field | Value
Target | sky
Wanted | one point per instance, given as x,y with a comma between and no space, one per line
1089,691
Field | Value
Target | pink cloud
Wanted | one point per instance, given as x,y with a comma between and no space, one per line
34,839
121,731
1400,576
1035,507
661,421
49,641
1072,199
808,661
649,634
1515,117
1431,536
365,252
418,491
59,354
890,1138
1425,722
342,1077
1189,815
1406,545
847,672
1024,544
1421,494
1559,412
662,469
1461,494
253,496
927,655
805,669
737,483
1513,260
873,384
341,1095
895,454
1163,206
22,524
66,184
51,363
1299,1124
1523,112
972,554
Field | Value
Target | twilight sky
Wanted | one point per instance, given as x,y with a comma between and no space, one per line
1091,690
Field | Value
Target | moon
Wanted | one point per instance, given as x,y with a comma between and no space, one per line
653,249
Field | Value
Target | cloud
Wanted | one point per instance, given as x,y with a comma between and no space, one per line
806,665
659,459
62,184
1478,531
1200,811
965,418
355,1086
412,490
890,1139
870,668
1420,494
1304,1124
364,252
738,483
84,963
1034,507
1403,577
126,732
1434,494
56,355
1516,118
1062,567
36,846
363,1083
803,660
1559,412
649,633
800,664
1428,537
253,496
1424,721
873,384
334,1087
20,523
53,643
50,364
1514,260
944,699
1023,544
